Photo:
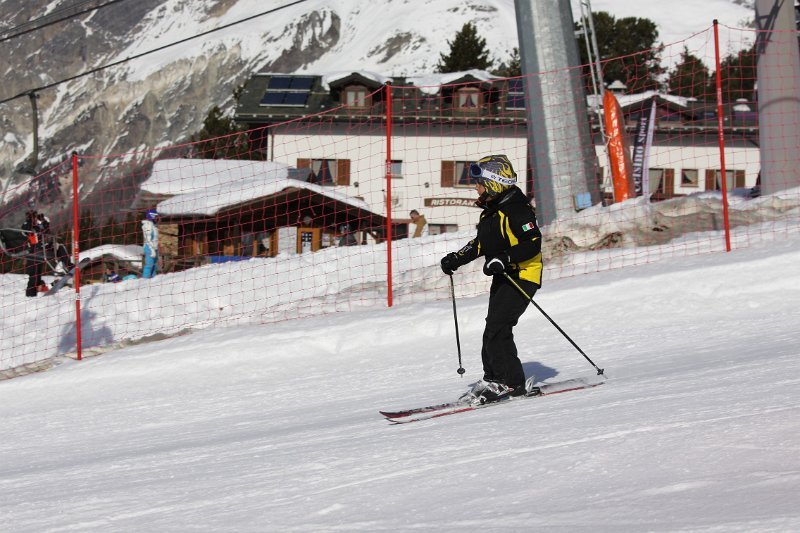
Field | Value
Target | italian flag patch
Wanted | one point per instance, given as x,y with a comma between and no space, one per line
527,226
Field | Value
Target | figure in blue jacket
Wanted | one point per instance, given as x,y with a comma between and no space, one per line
150,231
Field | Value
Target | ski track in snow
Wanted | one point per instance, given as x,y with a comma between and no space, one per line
269,428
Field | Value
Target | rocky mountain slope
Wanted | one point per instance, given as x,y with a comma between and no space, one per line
160,99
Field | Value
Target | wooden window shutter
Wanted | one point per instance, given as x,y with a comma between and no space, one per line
448,173
710,175
738,178
305,163
342,172
669,182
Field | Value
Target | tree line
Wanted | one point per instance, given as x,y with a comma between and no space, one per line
629,52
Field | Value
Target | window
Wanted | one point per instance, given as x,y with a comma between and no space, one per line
689,177
662,183
438,229
468,99
516,95
456,174
463,179
356,96
733,179
323,171
718,182
247,244
656,176
397,169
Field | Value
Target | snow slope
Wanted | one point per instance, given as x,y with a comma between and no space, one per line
275,427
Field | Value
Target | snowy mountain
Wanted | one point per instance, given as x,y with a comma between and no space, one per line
160,99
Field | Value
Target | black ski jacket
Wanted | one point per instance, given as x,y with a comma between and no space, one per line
508,226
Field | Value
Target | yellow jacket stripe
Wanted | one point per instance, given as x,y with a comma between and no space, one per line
530,270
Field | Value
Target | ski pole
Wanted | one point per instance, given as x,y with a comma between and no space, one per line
455,317
600,371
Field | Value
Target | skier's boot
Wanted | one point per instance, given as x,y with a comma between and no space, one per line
474,392
494,392
530,388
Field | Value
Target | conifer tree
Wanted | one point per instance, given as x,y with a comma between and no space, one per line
467,51
738,72
634,41
689,78
513,69
220,138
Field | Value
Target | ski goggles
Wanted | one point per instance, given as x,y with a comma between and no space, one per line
480,174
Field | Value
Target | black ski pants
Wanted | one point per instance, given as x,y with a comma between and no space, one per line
499,353
35,269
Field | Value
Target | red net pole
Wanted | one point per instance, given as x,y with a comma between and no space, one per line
720,124
75,254
389,194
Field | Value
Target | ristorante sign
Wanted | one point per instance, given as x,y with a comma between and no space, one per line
450,202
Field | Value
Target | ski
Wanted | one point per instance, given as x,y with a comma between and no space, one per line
63,280
444,409
420,410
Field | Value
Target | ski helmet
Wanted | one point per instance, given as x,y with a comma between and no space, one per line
151,214
495,173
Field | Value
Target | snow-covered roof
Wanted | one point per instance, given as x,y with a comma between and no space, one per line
331,77
431,83
125,252
427,83
205,187
628,99
180,176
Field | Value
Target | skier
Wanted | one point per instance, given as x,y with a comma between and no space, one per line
34,254
510,240
150,231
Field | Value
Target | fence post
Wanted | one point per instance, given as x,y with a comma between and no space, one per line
389,194
76,254
720,125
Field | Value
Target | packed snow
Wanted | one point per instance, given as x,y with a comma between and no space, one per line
275,427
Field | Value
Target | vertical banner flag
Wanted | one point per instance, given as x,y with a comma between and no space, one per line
618,155
641,150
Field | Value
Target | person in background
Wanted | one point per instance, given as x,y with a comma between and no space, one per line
348,236
150,231
53,249
421,225
34,256
111,276
511,242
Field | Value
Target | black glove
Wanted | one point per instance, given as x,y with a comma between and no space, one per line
496,265
450,263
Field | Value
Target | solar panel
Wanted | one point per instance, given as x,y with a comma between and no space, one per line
279,82
275,98
301,83
288,91
295,99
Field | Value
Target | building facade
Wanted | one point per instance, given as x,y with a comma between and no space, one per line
335,128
